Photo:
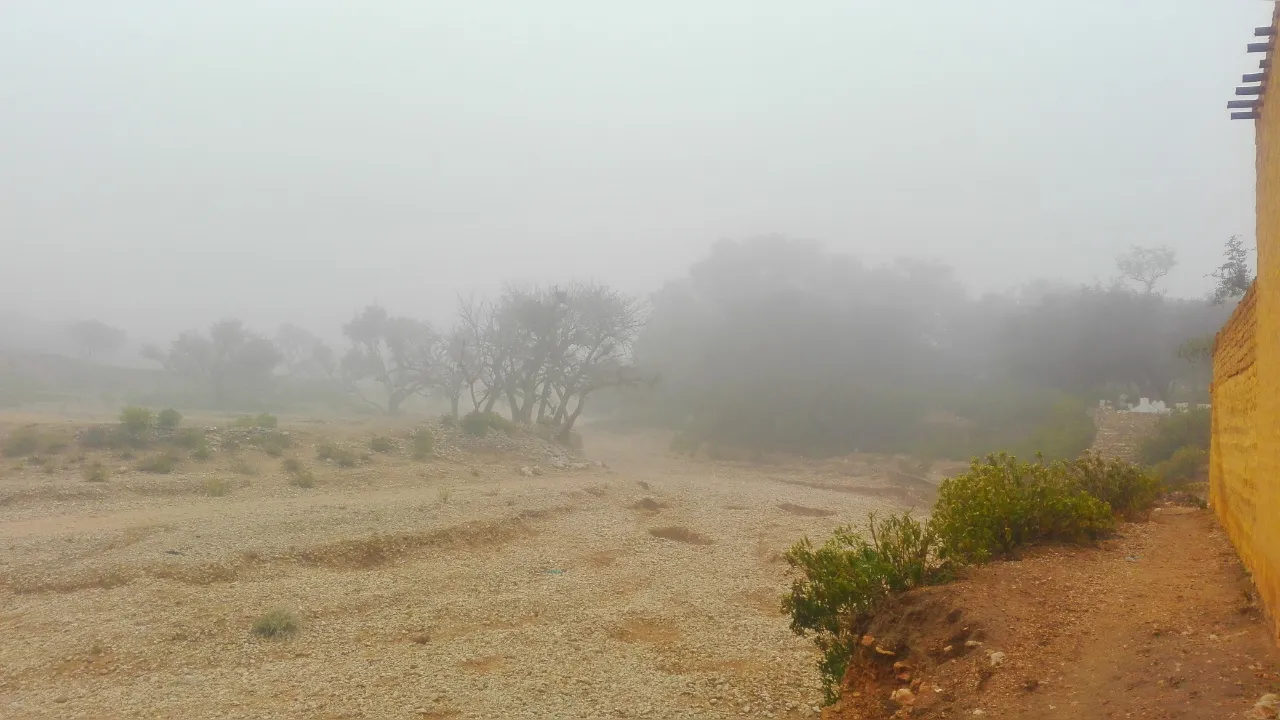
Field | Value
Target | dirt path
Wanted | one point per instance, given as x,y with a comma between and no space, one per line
1158,623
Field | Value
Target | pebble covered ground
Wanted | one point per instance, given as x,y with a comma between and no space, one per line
458,588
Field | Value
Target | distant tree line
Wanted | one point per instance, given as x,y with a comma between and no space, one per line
777,344
536,352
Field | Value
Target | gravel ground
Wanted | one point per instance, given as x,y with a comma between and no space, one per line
454,589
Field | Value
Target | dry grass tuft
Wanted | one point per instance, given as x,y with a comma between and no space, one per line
681,534
277,624
803,511
217,487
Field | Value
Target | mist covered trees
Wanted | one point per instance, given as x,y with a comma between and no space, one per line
777,344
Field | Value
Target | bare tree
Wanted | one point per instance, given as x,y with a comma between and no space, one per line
396,352
1146,265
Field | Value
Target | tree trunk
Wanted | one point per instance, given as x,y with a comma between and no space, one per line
453,404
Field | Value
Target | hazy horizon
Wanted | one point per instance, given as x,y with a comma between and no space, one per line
169,164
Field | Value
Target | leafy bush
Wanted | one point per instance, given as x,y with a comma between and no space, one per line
161,464
278,623
1002,503
1177,430
22,442
476,423
840,585
423,445
1187,465
168,419
382,444
448,420
97,472
1064,432
137,421
1126,487
292,465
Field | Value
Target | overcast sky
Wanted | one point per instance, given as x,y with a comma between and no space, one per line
164,164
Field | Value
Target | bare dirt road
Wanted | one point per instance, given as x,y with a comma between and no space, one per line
438,590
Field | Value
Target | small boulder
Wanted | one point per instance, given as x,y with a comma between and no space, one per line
902,696
996,659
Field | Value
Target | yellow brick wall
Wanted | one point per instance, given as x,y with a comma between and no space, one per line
1244,467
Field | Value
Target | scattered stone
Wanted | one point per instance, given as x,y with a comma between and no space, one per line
901,665
867,641
972,644
996,658
882,651
526,471
902,696
949,649
1267,707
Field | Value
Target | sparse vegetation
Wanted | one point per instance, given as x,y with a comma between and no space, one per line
96,473
380,444
337,455
443,494
1177,430
277,624
299,475
217,487
168,419
100,436
424,445
161,464
242,466
22,442
201,451
189,438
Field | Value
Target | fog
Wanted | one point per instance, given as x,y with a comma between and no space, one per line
167,164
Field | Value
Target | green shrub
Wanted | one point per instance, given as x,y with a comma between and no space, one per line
266,421
217,487
838,587
1002,503
168,419
278,623
137,421
97,472
161,464
292,465
1064,432
1126,487
241,466
424,445
476,423
244,421
381,444
22,442
1189,464
1179,429
448,420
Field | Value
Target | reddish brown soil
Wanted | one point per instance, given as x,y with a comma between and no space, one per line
1159,622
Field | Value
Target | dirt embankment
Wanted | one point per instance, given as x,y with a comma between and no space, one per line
1157,623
